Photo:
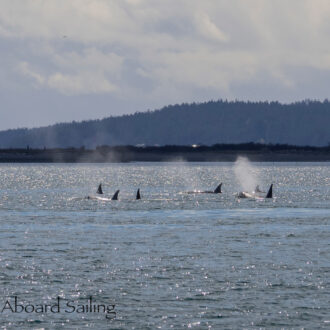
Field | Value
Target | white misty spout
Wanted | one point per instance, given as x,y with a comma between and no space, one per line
245,174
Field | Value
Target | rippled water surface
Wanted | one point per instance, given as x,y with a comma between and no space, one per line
171,260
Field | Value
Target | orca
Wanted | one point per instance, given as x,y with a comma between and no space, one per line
138,196
243,194
270,192
217,190
100,192
98,198
99,189
253,195
115,196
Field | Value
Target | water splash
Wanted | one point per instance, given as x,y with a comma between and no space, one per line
245,174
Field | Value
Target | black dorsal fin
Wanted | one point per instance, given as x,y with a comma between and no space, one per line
270,192
115,195
217,190
99,189
138,196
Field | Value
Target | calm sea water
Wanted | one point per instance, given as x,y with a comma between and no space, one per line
170,260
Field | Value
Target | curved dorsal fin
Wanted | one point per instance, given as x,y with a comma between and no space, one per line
99,189
270,192
217,190
138,196
115,195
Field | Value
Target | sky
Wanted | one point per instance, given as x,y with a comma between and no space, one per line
68,60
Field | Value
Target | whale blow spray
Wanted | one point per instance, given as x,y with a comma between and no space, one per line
245,174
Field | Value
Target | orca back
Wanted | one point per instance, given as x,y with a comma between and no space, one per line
99,189
270,192
138,196
115,196
217,190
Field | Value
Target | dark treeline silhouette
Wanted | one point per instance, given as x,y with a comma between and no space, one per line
217,152
251,146
222,122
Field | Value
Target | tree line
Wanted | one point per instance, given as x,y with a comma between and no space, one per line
222,122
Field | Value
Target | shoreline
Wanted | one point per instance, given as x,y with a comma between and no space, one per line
163,154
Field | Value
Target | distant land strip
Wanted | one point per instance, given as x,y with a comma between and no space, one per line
195,153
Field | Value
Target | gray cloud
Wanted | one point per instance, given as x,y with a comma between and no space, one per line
81,59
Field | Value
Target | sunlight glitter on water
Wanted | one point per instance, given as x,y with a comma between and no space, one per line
171,259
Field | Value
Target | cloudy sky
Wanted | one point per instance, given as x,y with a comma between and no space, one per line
70,60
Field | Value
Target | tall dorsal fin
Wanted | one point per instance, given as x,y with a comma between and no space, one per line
270,192
217,190
138,196
115,195
99,189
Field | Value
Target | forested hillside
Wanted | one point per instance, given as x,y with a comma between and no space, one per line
301,123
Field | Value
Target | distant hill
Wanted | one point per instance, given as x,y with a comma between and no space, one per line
300,123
